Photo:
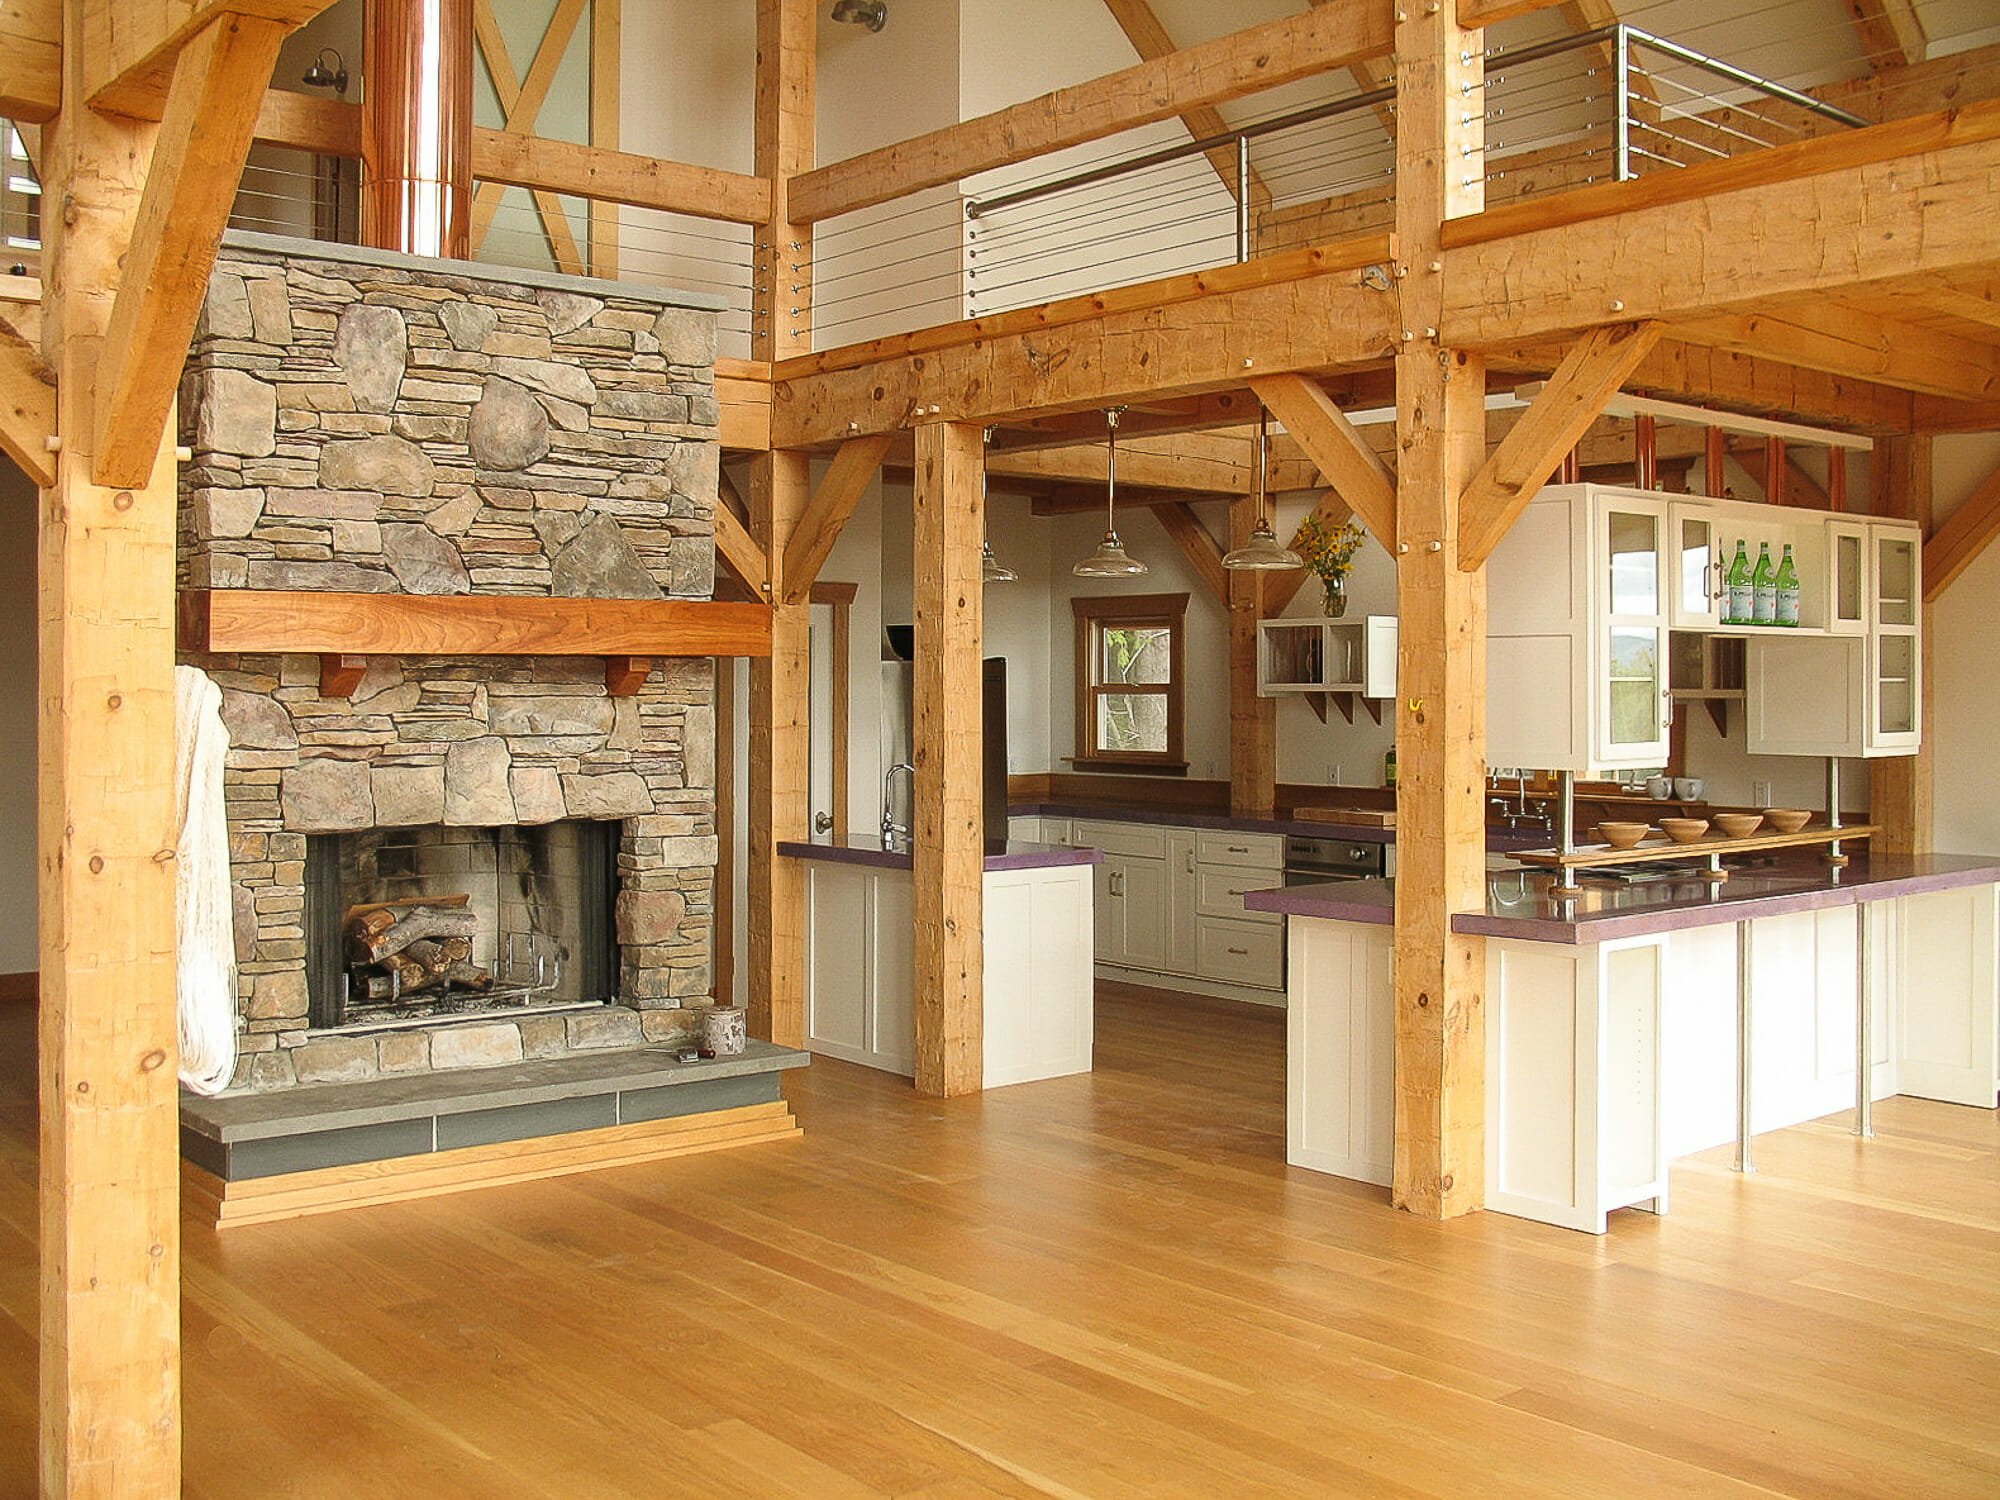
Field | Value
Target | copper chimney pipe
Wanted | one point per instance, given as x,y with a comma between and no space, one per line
416,127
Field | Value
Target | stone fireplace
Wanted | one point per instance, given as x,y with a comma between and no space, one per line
363,423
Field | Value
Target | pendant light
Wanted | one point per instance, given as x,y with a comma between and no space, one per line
991,569
1110,560
1263,551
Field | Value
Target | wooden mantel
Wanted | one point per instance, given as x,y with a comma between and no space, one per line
342,628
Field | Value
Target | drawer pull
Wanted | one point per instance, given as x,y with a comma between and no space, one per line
1234,892
1240,952
1237,848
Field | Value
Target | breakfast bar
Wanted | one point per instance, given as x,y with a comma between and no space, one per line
1635,1023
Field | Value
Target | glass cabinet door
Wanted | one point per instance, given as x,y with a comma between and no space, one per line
1847,575
1637,586
1895,578
1697,571
1894,716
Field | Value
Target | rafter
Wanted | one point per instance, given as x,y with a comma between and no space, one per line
1588,377
1360,477
1202,551
826,514
1150,40
27,406
1244,62
521,103
1891,32
1846,340
1957,544
197,161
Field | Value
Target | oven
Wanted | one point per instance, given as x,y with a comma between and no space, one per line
1308,860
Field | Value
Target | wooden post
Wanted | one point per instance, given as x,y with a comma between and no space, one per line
110,1168
780,770
1900,787
1253,721
948,839
1715,450
780,689
1441,708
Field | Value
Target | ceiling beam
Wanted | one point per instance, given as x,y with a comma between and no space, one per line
1891,32
30,59
1200,335
1588,377
1847,340
198,156
1361,479
1208,463
1244,62
1202,551
27,406
1957,544
619,176
1475,14
827,513
1517,278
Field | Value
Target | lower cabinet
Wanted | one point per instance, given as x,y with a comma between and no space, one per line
1170,906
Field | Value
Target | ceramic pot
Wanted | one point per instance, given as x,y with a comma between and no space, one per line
723,1030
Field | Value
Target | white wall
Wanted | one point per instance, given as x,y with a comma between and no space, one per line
1965,645
17,720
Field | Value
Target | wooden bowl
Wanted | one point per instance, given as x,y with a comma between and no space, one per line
1623,835
1684,830
1787,819
1737,825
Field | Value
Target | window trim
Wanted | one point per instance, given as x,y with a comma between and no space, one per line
1090,612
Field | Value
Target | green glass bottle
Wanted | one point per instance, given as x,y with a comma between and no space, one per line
1787,608
1389,768
1764,589
1736,598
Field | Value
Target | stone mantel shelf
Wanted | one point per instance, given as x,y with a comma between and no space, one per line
343,629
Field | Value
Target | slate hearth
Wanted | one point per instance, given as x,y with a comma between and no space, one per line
361,423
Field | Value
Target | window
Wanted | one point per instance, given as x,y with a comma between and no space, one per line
1131,676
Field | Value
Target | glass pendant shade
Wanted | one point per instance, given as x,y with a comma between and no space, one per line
990,568
1263,552
1110,559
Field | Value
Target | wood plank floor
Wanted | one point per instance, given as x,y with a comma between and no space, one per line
1105,1286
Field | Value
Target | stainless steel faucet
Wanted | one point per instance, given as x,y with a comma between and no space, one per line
891,829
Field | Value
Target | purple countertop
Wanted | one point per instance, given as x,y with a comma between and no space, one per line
1314,829
1519,905
1014,854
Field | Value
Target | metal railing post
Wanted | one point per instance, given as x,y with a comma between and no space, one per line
1242,199
1621,62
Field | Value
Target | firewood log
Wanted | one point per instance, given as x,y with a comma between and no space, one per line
417,922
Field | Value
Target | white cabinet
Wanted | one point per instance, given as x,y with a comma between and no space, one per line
1327,656
1577,611
1169,907
1695,567
1856,690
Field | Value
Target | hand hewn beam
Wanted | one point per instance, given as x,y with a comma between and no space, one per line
1513,270
1201,550
1149,38
839,491
1474,14
643,181
1260,57
27,407
30,59
1956,545
1845,340
735,546
134,46
1207,463
1589,376
1891,32
1361,478
1182,336
197,161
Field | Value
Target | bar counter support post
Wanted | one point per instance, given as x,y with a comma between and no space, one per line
1743,1162
1864,1027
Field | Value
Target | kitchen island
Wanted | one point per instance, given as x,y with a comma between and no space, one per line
1615,1020
1037,982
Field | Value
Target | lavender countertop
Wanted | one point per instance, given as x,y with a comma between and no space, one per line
1013,854
1303,828
1518,904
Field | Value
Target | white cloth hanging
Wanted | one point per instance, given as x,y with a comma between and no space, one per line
203,907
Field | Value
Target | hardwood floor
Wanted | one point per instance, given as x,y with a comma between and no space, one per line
1103,1286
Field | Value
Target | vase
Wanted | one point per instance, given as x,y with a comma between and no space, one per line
1333,598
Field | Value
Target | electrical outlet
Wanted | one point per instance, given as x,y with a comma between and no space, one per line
1333,774
1760,793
